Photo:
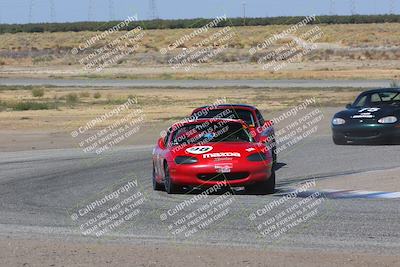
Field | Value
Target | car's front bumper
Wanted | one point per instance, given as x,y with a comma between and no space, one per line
207,175
367,133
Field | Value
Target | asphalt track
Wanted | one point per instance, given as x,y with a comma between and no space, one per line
39,188
196,83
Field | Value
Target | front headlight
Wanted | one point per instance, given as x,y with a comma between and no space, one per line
338,121
390,119
257,157
185,160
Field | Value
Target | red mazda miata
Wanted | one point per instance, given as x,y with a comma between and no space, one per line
206,152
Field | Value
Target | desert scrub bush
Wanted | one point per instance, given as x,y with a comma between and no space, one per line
37,92
84,94
71,99
20,106
41,59
97,95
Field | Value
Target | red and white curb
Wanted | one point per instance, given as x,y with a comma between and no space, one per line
340,194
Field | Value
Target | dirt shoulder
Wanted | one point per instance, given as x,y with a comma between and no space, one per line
40,252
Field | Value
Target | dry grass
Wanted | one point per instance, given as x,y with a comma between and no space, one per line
362,51
159,105
357,35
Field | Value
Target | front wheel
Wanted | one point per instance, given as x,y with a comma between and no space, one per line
262,188
338,141
156,185
169,185
274,158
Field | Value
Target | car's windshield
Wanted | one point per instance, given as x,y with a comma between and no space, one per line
231,113
210,132
378,99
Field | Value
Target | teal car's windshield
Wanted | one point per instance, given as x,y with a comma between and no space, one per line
378,99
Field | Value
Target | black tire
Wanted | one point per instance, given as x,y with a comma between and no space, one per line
156,186
273,151
274,158
338,141
262,188
170,187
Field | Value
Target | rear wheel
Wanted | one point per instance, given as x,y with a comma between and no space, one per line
262,188
338,141
169,185
156,186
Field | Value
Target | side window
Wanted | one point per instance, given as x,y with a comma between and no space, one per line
260,118
375,98
362,102
167,136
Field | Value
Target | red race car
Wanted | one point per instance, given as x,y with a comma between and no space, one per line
206,152
262,130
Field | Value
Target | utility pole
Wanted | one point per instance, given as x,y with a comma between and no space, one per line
111,10
90,10
244,13
332,10
392,8
52,11
153,9
352,7
30,13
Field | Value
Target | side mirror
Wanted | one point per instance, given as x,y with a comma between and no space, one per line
268,123
161,143
348,106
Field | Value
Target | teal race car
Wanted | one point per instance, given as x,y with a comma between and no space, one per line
374,117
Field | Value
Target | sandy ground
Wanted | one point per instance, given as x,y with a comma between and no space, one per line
36,252
320,69
385,180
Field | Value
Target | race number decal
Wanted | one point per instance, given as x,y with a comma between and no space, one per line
199,149
365,113
370,110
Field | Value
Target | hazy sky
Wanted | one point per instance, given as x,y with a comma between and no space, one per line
23,11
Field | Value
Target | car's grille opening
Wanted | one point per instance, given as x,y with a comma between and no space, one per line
223,176
362,134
